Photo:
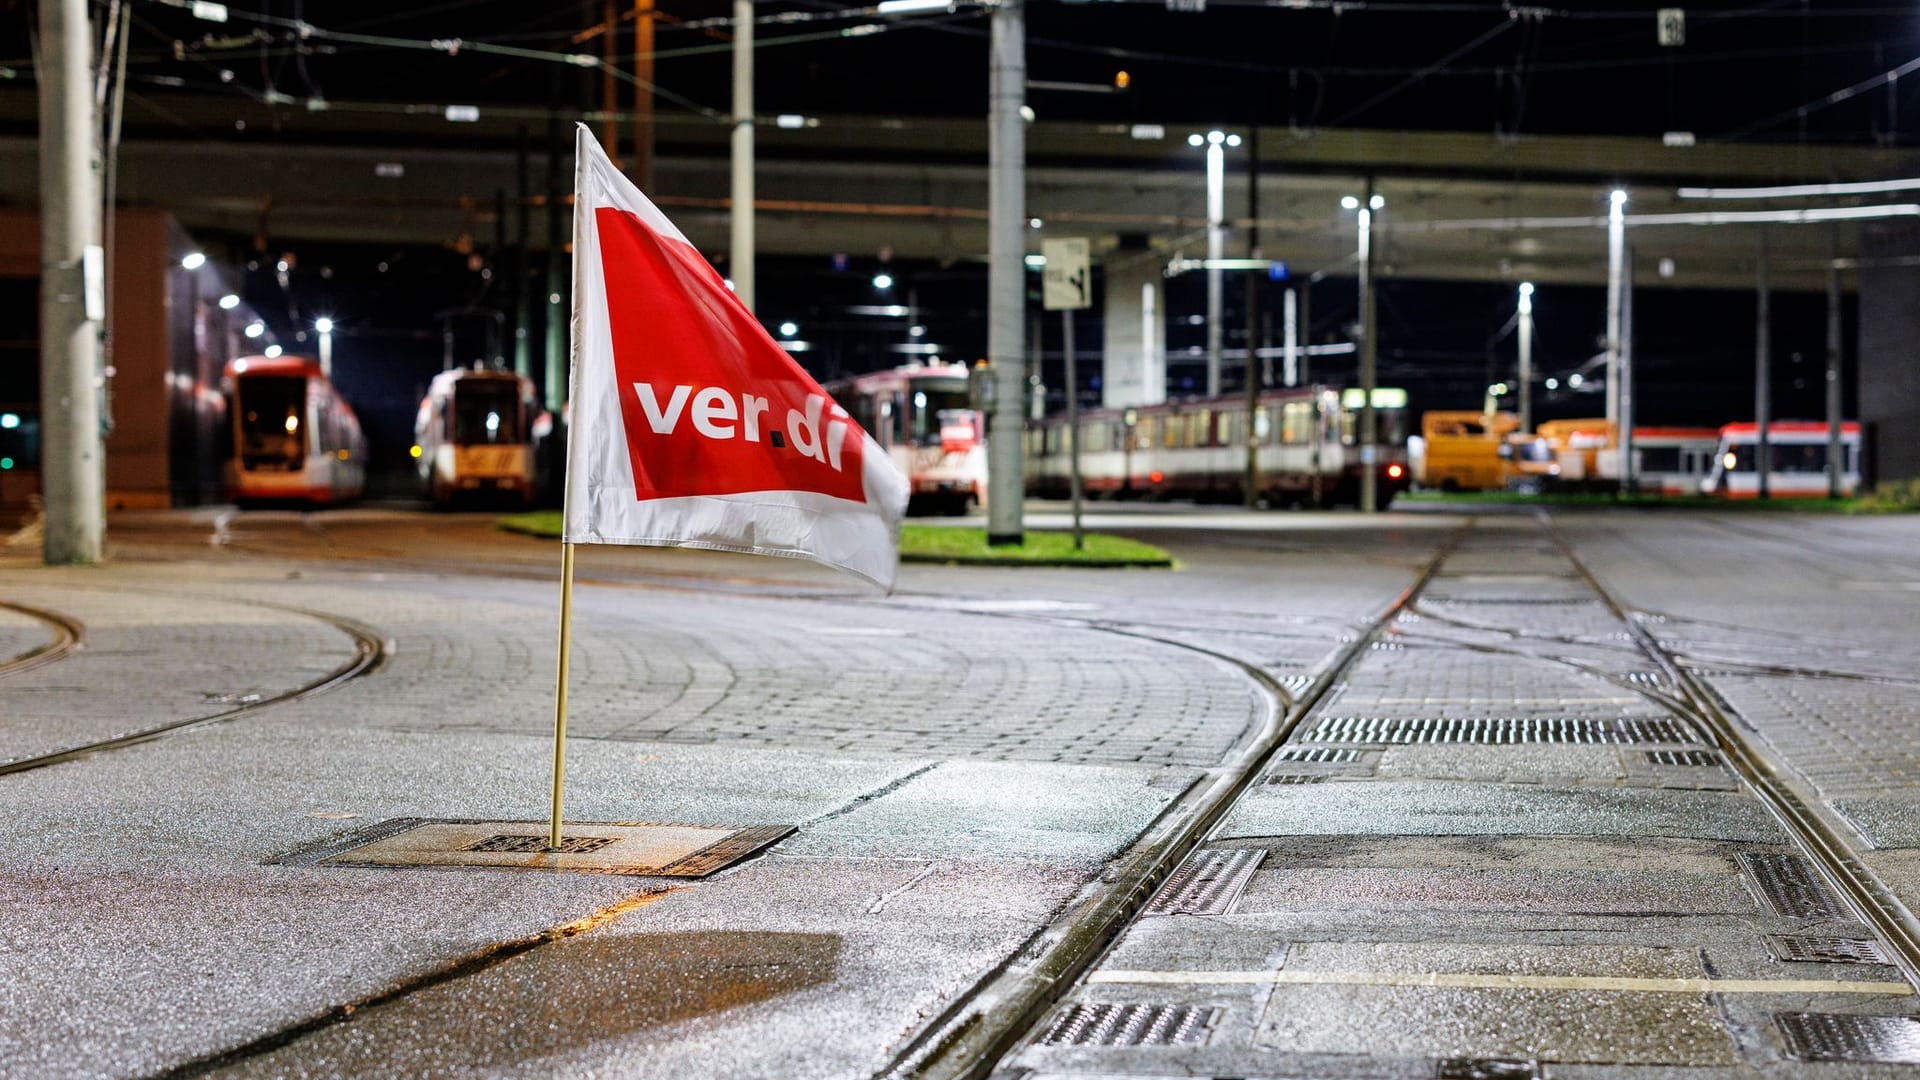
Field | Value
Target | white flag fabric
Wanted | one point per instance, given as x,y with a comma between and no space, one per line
691,426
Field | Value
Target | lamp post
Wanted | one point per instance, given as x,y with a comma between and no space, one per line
1216,142
1369,354
1526,356
1616,251
324,326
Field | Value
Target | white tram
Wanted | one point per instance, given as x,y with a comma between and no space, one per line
295,440
474,437
923,416
1798,453
1197,449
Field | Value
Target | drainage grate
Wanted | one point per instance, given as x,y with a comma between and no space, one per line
1696,758
1839,1037
1295,685
1296,778
1130,1025
1322,755
1792,887
1485,1069
1499,730
1808,949
1388,646
1208,883
527,842
1646,678
1542,600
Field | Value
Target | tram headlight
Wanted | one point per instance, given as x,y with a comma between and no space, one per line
1727,461
293,424
414,450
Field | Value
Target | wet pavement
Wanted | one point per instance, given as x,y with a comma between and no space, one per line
1495,835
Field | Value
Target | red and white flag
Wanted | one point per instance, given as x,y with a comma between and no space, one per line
691,427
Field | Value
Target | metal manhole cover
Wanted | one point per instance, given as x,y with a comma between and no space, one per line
528,842
642,848
1791,886
1840,1037
1105,1024
1320,755
1208,883
1498,731
1811,949
1485,1069
1689,758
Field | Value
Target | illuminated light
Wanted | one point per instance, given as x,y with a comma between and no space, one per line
1027,113
1666,268
1497,389
1216,137
553,298
1728,460
1618,198
274,351
1122,80
208,11
239,367
323,324
788,329
341,453
1034,223
883,281
1395,471
1377,202
6,463
463,114
1526,288
193,260
1677,139
1036,261
1349,202
1384,397
790,121
911,7
1576,379
9,421
414,450
919,399
797,346
493,423
1156,477
293,424
255,329
1233,140
1802,191
283,266
1196,139
1553,384
916,331
229,302
1147,132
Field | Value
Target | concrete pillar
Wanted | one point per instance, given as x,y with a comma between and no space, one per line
1133,365
1007,273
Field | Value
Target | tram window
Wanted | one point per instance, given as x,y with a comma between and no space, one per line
270,417
931,397
1143,432
1263,425
860,407
1098,436
1802,458
1176,432
484,412
1230,425
1296,423
1660,459
1201,433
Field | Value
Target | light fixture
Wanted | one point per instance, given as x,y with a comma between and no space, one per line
883,280
1618,198
255,329
1349,202
281,266
1196,139
9,421
273,351
323,324
1553,384
1233,140
193,260
1036,261
1376,202
788,329
916,331
1034,223
911,7
1576,379
229,302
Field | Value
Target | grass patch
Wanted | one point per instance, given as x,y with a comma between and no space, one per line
950,544
958,544
1895,498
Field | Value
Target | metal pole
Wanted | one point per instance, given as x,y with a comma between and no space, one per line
1623,441
1251,489
1073,423
1306,333
71,291
740,257
1763,373
642,170
1526,356
1369,361
1216,250
326,354
522,313
556,348
1616,242
1835,451
1289,333
1006,273
560,692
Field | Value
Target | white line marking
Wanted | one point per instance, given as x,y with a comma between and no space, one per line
1474,981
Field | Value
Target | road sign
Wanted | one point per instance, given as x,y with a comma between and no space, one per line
1067,281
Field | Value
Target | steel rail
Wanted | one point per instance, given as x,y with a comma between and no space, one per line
370,650
69,636
967,1040
1872,902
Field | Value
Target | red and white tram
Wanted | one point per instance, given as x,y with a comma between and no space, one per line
295,440
1197,449
1798,453
923,416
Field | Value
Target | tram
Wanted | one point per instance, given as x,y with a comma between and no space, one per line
1673,460
1798,468
925,419
474,437
295,440
1197,448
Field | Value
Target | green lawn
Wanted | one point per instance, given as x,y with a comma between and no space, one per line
953,544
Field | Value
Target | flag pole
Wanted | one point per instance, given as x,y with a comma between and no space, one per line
581,134
560,691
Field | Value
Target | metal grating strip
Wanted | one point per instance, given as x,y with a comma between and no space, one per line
1208,883
1841,1037
1320,755
1297,778
1485,1069
1792,887
1811,949
1499,731
1104,1024
1690,758
1540,600
527,842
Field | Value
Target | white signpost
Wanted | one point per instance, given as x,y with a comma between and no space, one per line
1066,286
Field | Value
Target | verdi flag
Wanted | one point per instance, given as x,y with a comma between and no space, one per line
691,427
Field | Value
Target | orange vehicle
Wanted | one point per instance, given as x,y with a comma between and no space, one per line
1563,453
1460,450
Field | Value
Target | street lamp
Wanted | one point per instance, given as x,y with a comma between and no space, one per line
324,325
1526,356
1216,142
1369,355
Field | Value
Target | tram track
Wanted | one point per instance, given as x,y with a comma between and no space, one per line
968,1039
69,636
370,650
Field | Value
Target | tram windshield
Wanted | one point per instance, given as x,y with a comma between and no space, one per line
1787,457
486,411
272,414
931,398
